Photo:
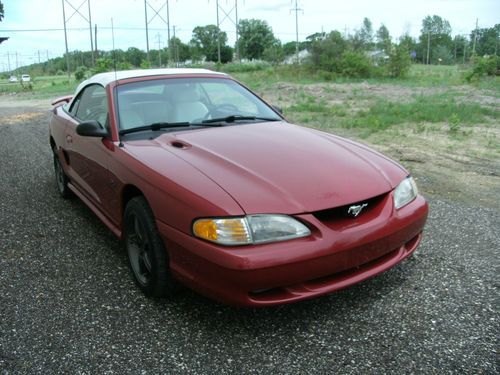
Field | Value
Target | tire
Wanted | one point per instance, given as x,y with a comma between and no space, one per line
61,178
148,259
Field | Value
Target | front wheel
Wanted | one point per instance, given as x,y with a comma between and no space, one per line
147,256
61,178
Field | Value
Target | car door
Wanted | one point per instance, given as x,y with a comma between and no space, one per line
88,156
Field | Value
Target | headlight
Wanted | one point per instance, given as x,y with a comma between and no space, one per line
251,229
405,192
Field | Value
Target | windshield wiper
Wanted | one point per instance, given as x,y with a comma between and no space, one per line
162,125
154,126
234,118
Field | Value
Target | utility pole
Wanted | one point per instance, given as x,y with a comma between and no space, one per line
91,39
175,49
465,49
158,38
148,20
237,31
168,33
147,33
76,10
95,42
228,15
39,61
8,60
218,32
17,63
66,41
296,10
475,38
428,44
455,45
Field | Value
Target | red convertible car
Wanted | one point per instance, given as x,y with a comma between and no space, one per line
209,185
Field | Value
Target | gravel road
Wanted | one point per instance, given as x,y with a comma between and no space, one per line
68,303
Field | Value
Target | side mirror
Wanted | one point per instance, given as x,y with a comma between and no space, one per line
91,128
278,109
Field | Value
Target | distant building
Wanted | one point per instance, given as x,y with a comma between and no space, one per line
377,57
292,59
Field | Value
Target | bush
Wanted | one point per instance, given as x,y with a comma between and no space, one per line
399,61
124,66
250,66
355,65
145,64
326,76
80,73
484,66
103,65
274,54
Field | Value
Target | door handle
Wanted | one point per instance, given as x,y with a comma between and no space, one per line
69,139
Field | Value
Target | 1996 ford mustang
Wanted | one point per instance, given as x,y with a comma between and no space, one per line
207,184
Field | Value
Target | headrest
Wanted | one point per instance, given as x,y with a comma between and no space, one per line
182,93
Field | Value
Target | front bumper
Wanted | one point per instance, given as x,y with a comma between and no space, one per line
338,254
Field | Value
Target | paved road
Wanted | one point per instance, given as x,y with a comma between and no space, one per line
68,303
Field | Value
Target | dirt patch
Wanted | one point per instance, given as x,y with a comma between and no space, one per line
17,118
12,101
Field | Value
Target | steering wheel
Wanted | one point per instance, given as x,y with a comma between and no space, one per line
226,109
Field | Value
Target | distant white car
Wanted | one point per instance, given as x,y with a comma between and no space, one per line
25,78
12,79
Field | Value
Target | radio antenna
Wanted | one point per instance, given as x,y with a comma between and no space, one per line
113,40
120,144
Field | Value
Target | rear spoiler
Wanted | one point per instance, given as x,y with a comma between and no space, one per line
62,99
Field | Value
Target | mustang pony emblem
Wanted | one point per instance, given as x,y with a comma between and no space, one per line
356,209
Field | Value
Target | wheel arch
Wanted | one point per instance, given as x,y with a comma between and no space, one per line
130,191
52,143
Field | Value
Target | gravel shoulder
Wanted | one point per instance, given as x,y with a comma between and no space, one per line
69,305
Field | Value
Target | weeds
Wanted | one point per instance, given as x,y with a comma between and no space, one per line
435,108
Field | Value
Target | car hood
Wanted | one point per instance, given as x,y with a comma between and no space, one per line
278,167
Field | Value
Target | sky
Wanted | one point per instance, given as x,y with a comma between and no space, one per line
36,16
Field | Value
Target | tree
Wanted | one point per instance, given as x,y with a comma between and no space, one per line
366,33
326,53
383,38
274,54
459,48
179,51
255,36
1,11
399,60
435,32
135,56
486,40
205,39
410,44
362,39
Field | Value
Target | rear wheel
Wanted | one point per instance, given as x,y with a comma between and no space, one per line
147,256
61,178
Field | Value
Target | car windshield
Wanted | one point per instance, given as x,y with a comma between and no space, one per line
192,102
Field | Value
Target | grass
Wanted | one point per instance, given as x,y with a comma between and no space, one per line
41,87
424,109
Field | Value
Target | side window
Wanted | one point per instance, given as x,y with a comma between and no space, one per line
91,104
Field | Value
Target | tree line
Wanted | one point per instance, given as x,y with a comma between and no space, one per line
362,53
